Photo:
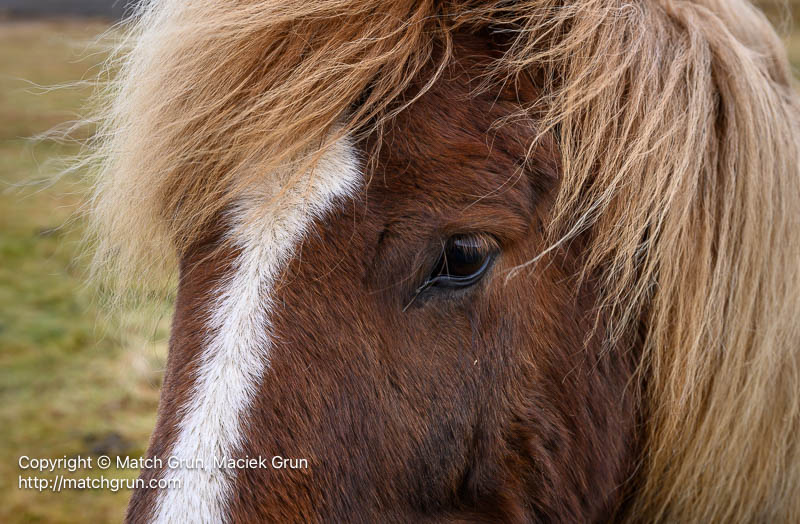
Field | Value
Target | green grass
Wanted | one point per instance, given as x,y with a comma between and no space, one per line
71,381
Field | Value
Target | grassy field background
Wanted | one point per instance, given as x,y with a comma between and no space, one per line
72,380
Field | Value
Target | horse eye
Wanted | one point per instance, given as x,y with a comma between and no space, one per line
464,260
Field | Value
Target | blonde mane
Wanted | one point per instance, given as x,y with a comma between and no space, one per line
678,129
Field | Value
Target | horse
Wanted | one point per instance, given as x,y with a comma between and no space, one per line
462,260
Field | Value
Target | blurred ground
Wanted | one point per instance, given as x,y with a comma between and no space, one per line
72,382
107,8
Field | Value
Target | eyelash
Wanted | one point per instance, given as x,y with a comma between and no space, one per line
463,262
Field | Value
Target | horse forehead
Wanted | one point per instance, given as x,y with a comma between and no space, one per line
228,365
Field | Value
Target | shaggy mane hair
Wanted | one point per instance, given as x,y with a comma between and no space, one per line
678,129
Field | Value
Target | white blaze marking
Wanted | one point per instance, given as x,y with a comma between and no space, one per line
237,355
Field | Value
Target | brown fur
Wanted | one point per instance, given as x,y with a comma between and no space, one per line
198,278
457,409
672,222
